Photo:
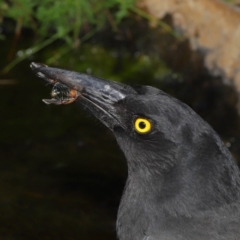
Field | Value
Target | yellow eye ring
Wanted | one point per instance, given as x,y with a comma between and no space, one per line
142,125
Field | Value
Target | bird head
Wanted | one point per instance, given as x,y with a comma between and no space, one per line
141,117
165,142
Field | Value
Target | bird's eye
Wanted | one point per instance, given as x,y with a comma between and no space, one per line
142,125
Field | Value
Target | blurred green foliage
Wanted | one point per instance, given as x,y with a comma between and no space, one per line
234,2
73,21
61,17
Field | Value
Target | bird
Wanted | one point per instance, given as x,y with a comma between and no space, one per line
182,183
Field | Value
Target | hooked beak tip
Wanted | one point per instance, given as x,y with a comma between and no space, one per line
35,65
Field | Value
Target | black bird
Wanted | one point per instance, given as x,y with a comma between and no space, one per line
183,183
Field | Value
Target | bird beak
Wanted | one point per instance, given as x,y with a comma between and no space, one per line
98,95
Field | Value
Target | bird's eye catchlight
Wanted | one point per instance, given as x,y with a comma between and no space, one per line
142,125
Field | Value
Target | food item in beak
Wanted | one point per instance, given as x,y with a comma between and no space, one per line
61,94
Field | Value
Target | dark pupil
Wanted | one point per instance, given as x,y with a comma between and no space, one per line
142,125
